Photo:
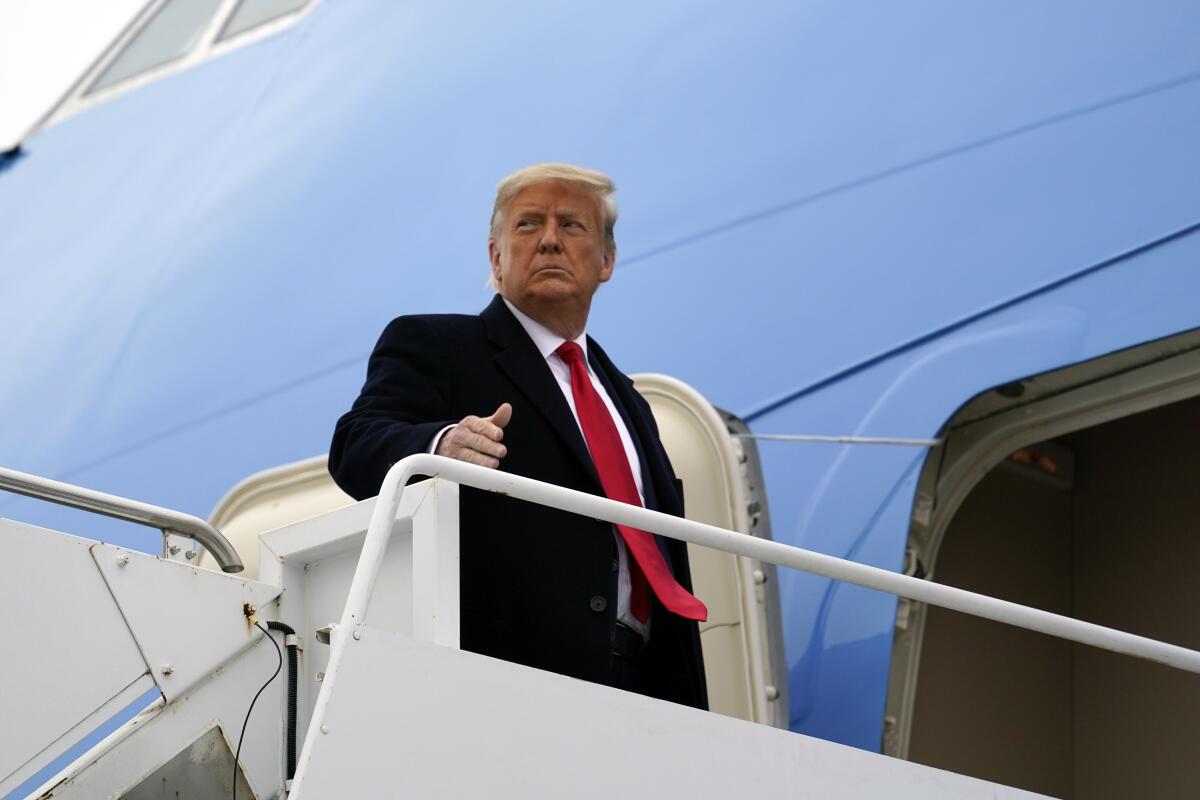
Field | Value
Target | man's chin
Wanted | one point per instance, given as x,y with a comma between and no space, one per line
551,276
552,288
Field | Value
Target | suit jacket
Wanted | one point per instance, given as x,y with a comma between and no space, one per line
538,586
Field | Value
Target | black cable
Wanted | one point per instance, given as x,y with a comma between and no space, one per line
292,690
238,755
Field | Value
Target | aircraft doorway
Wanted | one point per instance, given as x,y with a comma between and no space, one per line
1099,522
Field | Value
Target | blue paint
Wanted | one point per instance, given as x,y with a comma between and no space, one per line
836,218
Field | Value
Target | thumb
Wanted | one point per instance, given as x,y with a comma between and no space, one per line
502,416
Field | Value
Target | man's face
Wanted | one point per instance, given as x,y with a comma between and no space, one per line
550,248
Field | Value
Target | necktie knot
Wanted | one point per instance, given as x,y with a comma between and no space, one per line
570,352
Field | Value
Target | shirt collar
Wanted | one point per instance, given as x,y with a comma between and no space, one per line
544,339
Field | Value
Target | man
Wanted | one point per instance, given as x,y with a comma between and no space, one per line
521,388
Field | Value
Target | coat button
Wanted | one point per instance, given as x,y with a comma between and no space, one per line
598,603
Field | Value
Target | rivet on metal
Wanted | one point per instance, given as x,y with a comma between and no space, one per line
357,635
174,549
324,729
189,555
122,561
168,670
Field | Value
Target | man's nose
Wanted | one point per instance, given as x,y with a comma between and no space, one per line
550,242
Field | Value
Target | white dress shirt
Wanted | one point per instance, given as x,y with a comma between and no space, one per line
547,342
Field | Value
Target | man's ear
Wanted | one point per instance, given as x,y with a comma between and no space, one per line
494,259
610,261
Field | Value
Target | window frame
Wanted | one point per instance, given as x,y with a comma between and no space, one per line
208,46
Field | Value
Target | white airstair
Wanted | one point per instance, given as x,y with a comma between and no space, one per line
387,705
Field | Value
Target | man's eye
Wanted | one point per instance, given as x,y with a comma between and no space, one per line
525,223
572,224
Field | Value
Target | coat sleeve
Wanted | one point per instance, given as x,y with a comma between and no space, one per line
402,406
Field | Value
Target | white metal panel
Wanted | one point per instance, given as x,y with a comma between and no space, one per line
70,738
336,531
67,650
435,558
149,741
327,582
187,621
314,561
408,718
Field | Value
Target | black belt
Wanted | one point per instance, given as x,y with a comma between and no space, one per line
626,642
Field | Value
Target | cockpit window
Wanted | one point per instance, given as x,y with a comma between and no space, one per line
167,36
175,29
252,13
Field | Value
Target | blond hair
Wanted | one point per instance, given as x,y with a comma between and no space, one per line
599,184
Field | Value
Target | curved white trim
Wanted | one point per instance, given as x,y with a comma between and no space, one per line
731,457
249,490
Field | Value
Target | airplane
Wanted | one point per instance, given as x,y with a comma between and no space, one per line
939,260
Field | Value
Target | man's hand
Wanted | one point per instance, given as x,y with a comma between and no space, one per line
476,440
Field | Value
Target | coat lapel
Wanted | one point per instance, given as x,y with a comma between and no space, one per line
520,360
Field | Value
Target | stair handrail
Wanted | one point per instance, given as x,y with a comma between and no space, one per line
110,505
522,488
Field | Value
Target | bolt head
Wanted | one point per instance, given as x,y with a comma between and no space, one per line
324,729
122,561
168,670
189,555
357,635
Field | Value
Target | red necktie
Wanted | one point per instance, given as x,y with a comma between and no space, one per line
616,477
